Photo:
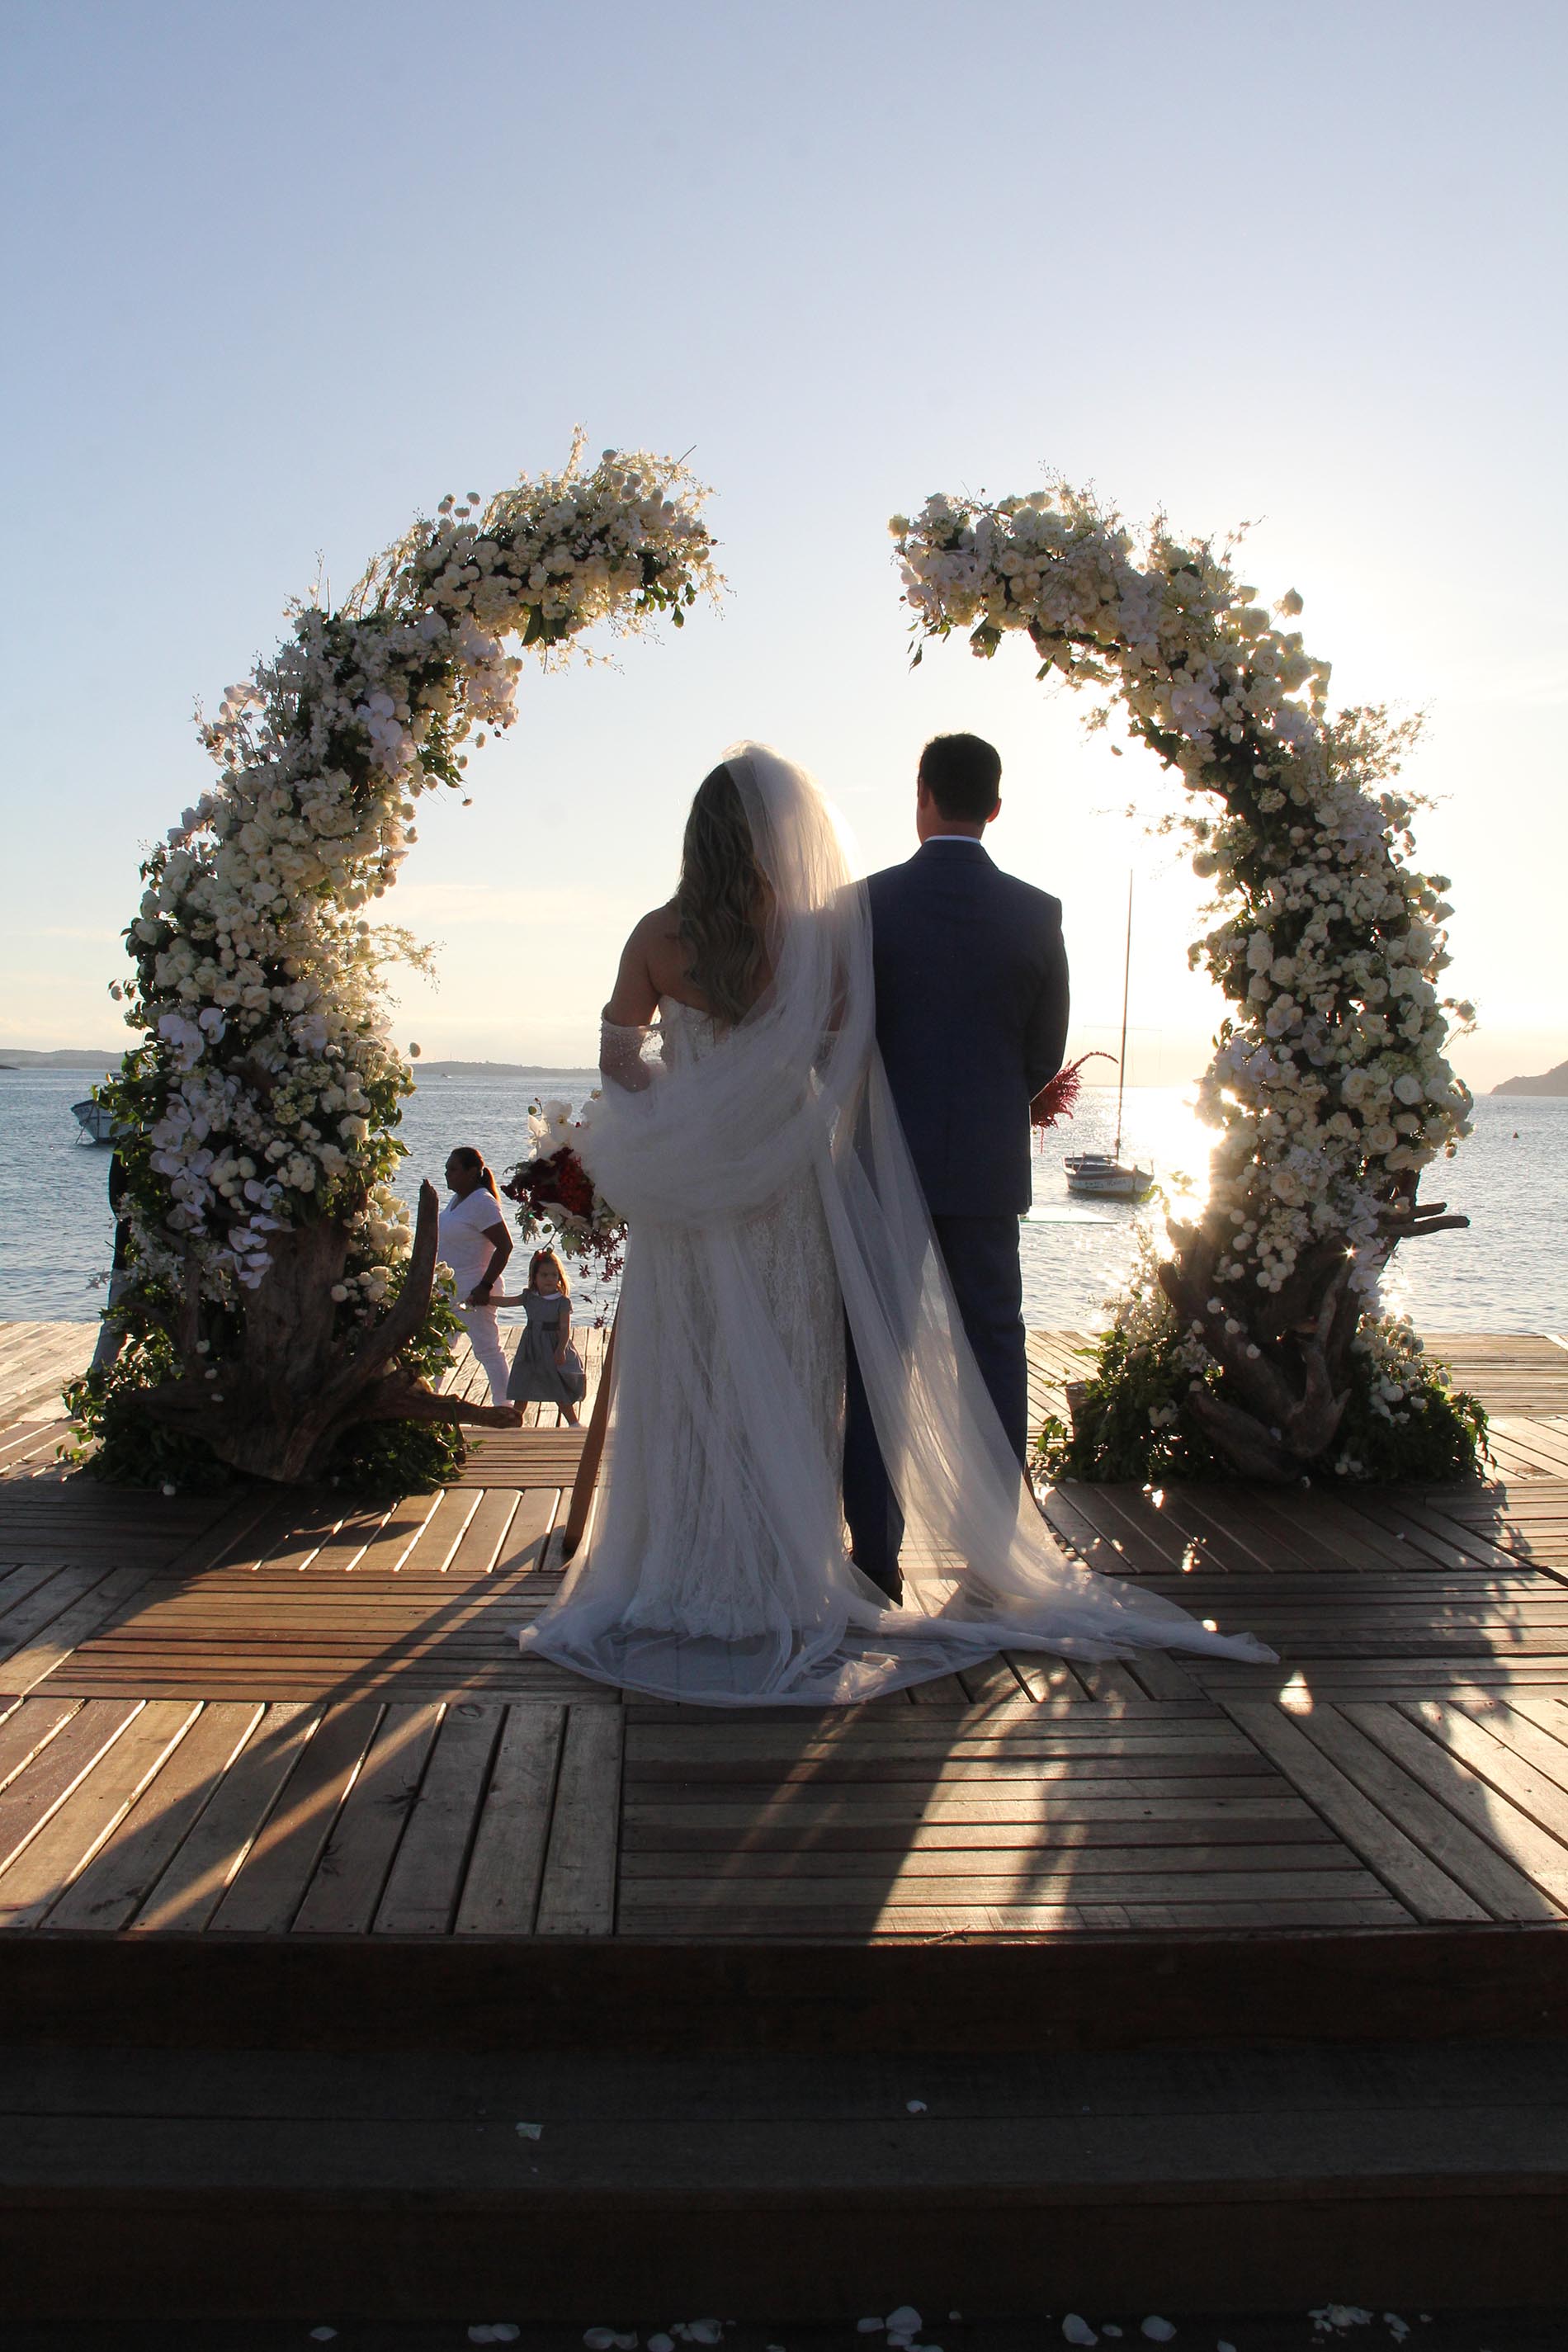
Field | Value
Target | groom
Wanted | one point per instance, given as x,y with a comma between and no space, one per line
971,1018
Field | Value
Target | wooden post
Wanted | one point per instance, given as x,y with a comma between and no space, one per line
587,1476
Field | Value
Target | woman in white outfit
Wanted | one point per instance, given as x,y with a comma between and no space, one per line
473,1240
747,1133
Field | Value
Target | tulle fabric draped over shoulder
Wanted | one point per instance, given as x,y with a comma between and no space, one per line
771,1197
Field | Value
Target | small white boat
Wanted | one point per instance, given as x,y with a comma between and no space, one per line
1102,1176
1105,1175
97,1123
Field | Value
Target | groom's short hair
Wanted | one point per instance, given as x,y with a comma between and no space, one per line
963,774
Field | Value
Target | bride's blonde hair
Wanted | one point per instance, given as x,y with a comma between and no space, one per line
721,902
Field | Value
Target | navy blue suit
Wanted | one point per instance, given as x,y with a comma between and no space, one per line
971,1018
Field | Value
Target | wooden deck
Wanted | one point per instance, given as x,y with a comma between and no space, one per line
285,1718
1177,1984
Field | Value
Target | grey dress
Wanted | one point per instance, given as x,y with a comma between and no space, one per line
536,1377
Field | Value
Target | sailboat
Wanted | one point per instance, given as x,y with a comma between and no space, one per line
1106,1176
95,1121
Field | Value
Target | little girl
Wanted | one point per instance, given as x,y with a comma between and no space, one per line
547,1369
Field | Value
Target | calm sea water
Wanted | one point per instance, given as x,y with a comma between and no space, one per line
1508,1273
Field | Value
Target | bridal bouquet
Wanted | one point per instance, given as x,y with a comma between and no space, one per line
1057,1099
554,1192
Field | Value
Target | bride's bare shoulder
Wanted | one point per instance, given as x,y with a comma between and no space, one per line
652,961
661,923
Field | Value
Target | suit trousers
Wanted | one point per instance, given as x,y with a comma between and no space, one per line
981,1254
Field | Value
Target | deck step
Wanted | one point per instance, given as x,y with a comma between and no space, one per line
627,1997
259,2184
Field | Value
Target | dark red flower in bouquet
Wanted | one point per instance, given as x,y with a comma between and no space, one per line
562,1182
1057,1099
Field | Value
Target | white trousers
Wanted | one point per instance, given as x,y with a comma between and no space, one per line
484,1338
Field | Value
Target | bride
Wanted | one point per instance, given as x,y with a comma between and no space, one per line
747,1133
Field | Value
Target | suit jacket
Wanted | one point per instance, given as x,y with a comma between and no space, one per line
971,1018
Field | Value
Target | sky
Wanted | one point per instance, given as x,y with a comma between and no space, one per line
277,277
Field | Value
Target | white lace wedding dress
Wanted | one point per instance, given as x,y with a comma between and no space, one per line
770,1194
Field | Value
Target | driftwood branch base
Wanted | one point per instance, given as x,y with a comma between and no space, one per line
277,1408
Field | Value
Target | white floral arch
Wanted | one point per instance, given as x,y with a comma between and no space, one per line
1330,1089
278,1298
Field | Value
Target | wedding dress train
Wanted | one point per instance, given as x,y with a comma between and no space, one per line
770,1194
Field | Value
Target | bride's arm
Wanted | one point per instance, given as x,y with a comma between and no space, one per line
634,1000
628,1016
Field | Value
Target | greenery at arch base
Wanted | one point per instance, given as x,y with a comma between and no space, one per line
281,1317
1259,1348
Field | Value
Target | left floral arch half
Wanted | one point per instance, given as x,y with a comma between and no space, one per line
277,1300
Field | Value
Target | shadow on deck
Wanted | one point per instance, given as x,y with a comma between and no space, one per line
1174,1980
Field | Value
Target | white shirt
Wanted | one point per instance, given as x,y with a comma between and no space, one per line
460,1237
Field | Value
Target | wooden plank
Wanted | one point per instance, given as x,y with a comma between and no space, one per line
846,1921
432,1549
1486,1748
38,1366
342,1551
578,1896
1157,1673
1377,1504
270,1884
909,1816
1124,1527
939,1691
341,1897
1538,1726
45,1594
1024,1865
525,1457
1408,1873
1052,1726
522,1551
1309,1840
1037,1734
100,1802
197,1877
1505,1892
993,1684
30,1724
116,1882
1544,1858
49,1648
397,1536
21,1439
501,1893
34,1374
35,1794
1044,1677
287,1548
427,1874
778,1895
485,1534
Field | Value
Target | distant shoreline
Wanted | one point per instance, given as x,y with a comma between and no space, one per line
1549,1082
423,1069
17,1057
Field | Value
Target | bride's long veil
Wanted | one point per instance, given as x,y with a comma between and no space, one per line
717,1571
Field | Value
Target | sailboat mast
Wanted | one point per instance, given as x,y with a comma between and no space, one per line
1126,984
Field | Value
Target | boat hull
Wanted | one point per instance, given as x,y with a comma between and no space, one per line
96,1123
1093,1179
